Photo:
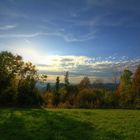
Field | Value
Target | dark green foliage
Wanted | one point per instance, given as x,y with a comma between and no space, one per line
57,85
17,82
56,98
8,97
9,66
48,89
27,94
110,100
72,91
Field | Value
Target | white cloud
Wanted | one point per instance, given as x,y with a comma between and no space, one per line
7,27
78,66
84,66
66,37
20,35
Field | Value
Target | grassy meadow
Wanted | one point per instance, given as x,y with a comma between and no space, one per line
72,124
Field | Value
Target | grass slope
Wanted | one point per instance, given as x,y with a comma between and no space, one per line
39,124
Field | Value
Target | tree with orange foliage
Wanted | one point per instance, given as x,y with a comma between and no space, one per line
136,88
124,89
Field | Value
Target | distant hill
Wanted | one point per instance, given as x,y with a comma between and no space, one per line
108,86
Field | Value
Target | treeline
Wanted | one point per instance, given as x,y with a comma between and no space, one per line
17,82
18,88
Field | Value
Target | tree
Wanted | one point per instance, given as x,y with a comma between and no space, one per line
57,85
89,98
124,91
85,83
56,92
115,76
48,89
109,100
69,95
125,82
136,87
43,79
66,79
27,93
67,87
10,67
136,81
17,79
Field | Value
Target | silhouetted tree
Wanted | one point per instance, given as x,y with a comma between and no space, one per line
66,79
85,83
16,78
10,70
27,94
48,87
57,85
56,92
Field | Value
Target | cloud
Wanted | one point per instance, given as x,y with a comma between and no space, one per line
78,66
20,35
66,37
82,65
7,27
89,36
72,37
67,60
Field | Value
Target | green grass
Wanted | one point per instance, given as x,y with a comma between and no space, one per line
74,124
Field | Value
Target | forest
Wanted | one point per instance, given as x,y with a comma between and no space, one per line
18,88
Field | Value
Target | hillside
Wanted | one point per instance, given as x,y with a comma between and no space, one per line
54,124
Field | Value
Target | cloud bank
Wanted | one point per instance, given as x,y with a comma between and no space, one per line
78,66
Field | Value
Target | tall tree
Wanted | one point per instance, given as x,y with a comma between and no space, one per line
56,92
85,83
124,91
66,79
57,85
136,80
16,78
48,87
136,88
10,68
125,81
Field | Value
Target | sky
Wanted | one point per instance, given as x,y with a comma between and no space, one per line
95,38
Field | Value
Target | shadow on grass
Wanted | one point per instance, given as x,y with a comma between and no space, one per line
48,125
